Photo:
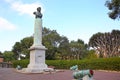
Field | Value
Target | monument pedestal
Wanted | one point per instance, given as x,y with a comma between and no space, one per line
37,60
37,51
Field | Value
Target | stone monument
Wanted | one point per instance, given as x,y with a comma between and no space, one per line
37,50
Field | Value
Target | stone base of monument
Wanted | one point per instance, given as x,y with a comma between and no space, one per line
37,60
28,70
38,71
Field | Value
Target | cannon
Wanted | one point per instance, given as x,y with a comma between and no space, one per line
74,68
82,73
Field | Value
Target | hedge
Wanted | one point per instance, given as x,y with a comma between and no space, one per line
22,63
95,64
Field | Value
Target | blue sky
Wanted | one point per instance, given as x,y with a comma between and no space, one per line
75,19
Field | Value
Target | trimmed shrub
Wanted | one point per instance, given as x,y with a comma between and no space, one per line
22,63
95,64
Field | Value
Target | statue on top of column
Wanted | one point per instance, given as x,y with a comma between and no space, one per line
38,14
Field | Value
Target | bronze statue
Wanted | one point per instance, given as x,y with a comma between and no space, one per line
38,14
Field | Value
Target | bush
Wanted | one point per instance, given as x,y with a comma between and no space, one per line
22,63
95,64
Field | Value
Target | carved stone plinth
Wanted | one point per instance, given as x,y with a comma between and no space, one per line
37,60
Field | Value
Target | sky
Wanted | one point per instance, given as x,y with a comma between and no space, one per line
75,19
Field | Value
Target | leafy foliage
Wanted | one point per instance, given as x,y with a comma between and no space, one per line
58,47
95,64
22,63
22,47
64,49
52,40
114,7
78,49
91,54
106,44
8,56
1,54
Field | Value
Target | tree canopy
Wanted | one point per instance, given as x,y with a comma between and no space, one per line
114,7
58,47
78,49
53,41
106,44
22,47
8,56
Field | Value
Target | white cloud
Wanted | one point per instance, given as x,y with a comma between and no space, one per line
23,8
6,25
9,1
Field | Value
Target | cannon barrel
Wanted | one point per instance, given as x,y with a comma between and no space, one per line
80,74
